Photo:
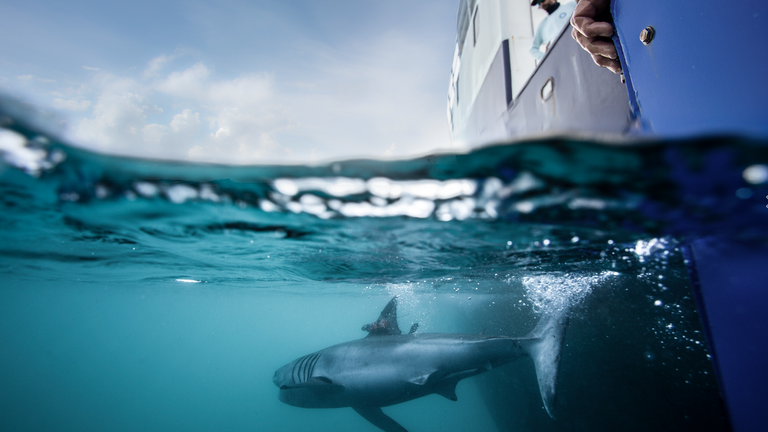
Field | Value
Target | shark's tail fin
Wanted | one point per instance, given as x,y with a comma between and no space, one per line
543,345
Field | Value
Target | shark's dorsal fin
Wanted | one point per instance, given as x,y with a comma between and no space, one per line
377,417
387,322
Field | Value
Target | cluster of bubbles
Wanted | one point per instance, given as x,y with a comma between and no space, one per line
552,293
675,330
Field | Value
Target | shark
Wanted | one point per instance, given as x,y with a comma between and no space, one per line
387,367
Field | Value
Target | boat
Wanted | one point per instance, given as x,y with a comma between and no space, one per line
689,70
690,77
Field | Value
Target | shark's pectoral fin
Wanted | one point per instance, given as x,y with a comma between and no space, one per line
316,383
420,380
377,417
447,389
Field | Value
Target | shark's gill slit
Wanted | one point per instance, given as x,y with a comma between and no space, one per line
293,372
296,374
305,368
311,368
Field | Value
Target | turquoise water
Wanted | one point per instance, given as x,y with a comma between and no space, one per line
148,295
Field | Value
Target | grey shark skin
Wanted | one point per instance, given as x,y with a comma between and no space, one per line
387,368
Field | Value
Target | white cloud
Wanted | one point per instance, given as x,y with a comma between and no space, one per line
153,133
194,84
74,104
174,139
118,118
268,85
119,124
242,115
391,150
372,95
245,92
32,77
196,153
187,84
370,99
155,65
186,123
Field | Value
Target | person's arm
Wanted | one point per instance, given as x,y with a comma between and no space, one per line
590,33
536,45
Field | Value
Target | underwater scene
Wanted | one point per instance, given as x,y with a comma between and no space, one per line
154,295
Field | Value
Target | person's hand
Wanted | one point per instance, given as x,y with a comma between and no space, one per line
591,33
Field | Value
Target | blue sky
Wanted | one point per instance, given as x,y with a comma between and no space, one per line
237,81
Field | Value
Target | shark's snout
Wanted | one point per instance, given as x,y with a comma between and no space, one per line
278,377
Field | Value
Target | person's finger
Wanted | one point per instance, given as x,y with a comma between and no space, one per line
581,23
590,34
611,64
580,39
584,15
604,48
591,8
596,46
585,8
591,28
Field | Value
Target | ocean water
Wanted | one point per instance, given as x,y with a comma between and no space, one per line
150,295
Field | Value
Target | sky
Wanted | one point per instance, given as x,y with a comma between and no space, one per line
236,82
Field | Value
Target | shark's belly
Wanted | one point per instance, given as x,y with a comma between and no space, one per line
380,385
